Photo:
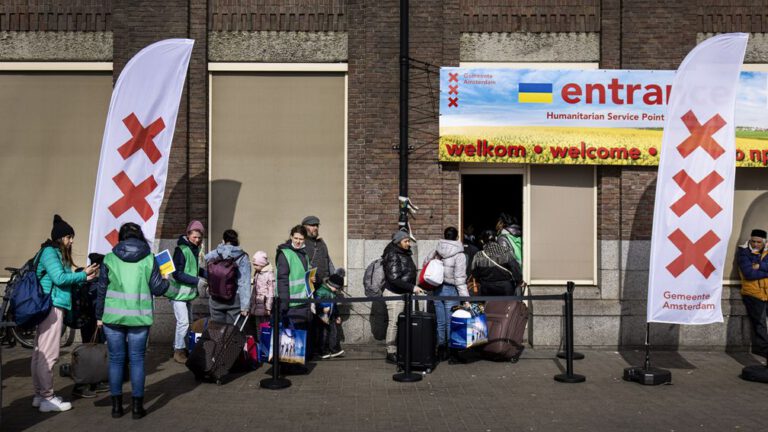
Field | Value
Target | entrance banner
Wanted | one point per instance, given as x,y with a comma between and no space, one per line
581,117
694,190
133,166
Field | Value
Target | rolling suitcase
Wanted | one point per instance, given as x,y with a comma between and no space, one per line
506,328
217,350
423,340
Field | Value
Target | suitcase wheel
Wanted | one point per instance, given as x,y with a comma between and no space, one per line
218,382
514,359
428,371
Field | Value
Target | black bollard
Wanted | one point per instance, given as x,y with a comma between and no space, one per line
569,376
562,354
275,383
407,375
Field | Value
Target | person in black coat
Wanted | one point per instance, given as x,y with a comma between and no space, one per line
495,268
400,278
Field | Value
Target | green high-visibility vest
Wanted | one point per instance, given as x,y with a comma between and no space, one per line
129,300
180,291
517,247
297,287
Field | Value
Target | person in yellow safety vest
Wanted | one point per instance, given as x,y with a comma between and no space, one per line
188,280
292,264
128,279
752,259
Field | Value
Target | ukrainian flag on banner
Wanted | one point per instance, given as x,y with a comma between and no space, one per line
534,93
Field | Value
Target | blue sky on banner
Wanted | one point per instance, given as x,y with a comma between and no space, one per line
489,97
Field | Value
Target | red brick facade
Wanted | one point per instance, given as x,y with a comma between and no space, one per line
641,34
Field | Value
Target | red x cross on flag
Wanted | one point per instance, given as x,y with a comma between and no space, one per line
453,77
133,196
141,138
453,102
697,193
692,254
453,89
701,135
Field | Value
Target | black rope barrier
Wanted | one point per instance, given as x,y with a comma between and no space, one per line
276,382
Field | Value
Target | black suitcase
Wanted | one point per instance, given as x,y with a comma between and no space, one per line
217,350
423,340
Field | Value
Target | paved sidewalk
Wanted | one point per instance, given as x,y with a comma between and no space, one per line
356,393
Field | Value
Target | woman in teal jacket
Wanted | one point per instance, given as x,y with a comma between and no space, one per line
57,278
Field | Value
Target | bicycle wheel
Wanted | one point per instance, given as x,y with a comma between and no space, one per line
27,337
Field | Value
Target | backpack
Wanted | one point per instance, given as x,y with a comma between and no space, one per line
30,305
222,278
373,279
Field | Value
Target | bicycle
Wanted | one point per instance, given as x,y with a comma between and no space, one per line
25,337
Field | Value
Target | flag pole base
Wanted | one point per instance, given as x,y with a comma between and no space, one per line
647,376
755,373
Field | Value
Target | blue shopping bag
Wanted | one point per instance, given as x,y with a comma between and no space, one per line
468,329
293,345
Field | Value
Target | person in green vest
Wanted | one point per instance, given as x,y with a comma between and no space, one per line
54,271
128,279
187,278
510,235
292,264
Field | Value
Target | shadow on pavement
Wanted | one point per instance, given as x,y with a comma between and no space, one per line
659,359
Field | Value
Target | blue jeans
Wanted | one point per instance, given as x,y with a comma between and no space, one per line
443,312
135,339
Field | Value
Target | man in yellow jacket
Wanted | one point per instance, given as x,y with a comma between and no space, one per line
752,259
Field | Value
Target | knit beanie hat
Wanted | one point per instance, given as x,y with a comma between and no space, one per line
196,225
60,228
759,233
337,279
260,258
398,236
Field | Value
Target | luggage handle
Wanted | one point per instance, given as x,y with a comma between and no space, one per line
245,320
95,334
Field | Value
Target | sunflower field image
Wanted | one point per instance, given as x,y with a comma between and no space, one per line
577,117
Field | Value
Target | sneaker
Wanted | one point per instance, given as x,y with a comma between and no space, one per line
326,356
101,387
83,391
54,404
337,353
36,401
391,358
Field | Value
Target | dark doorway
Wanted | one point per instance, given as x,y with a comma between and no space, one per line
484,197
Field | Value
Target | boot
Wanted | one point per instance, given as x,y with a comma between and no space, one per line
117,406
180,356
137,409
442,353
453,356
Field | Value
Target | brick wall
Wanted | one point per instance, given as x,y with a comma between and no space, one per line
374,116
141,23
56,15
278,15
534,16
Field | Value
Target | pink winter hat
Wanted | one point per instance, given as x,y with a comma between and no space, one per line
260,258
196,225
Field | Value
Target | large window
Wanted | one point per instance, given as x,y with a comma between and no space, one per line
561,223
52,125
277,155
